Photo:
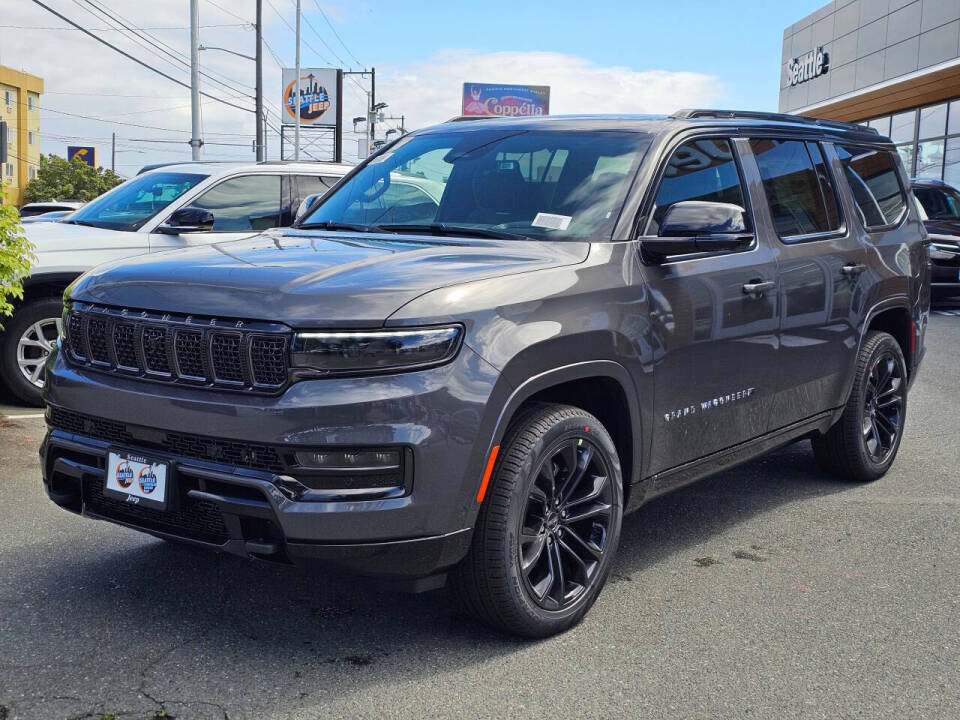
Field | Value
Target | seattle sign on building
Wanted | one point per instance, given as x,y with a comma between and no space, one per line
808,66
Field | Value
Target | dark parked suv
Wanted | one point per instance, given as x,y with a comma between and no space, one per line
492,340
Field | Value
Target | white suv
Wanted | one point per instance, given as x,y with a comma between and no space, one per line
169,207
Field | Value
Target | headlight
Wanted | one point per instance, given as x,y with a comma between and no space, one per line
376,351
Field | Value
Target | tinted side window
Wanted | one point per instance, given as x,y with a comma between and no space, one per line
313,185
937,204
800,195
250,202
698,170
873,179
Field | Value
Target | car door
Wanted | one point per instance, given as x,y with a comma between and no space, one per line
242,206
718,334
822,260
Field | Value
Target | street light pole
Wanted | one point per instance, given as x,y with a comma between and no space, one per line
297,100
195,140
261,150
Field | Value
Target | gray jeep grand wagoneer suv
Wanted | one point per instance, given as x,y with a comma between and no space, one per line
492,340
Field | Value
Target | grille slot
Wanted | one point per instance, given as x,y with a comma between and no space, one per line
268,357
188,345
124,342
97,337
232,355
226,354
75,331
155,350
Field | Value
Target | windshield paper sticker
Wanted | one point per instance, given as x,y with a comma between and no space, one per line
552,222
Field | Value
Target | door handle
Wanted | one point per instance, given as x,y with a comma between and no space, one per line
758,288
853,269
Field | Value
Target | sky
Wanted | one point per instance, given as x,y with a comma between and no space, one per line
604,57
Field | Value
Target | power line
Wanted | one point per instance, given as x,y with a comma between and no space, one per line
228,12
113,29
336,34
165,48
320,37
134,58
291,28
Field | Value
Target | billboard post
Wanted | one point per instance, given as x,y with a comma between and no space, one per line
496,100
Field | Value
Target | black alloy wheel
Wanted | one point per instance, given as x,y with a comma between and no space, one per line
863,443
883,407
566,522
548,525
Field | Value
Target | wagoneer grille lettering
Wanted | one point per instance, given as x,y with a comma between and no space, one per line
199,351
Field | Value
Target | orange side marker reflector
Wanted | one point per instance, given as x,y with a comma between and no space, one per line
491,461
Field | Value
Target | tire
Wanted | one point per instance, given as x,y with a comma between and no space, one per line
536,601
43,313
862,445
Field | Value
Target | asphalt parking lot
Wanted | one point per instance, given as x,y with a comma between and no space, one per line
768,591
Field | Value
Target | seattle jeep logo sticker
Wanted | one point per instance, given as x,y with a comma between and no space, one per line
124,475
148,480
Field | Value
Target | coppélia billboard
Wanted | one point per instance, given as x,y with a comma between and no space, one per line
481,99
318,97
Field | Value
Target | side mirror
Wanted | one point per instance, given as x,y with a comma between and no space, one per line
305,205
697,226
186,220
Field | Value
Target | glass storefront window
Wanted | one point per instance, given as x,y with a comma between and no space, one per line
881,125
954,123
903,126
906,154
951,166
933,121
930,159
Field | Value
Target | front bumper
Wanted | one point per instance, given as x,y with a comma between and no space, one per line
247,508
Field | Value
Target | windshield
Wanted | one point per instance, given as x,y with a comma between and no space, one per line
537,184
939,203
130,205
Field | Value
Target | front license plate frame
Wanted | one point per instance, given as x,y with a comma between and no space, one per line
138,479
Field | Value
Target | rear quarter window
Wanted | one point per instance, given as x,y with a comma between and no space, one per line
874,181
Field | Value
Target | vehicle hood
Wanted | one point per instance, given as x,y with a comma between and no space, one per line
309,278
60,236
943,227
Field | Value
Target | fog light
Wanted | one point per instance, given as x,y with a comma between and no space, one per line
354,461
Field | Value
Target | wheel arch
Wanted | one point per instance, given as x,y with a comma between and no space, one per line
601,387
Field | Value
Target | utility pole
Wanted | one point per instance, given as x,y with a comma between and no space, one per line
371,126
113,152
297,98
261,120
195,140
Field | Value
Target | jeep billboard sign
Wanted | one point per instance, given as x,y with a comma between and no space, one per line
808,66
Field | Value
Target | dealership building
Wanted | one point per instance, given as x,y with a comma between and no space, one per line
891,64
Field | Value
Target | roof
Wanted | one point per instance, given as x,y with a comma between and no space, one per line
681,118
216,168
929,182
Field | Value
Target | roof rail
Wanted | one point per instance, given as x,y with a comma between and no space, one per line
776,117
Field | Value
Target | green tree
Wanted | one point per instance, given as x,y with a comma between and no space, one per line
16,256
60,179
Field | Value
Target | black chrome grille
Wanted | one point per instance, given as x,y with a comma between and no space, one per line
188,345
228,354
97,337
155,350
269,359
186,445
125,344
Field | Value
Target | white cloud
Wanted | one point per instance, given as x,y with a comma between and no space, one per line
429,91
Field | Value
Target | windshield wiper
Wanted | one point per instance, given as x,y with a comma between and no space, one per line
462,230
80,222
332,225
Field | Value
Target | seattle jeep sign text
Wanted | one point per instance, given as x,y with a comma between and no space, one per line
808,66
